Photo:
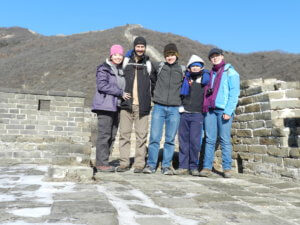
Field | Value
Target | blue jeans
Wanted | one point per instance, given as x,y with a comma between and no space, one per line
168,115
216,126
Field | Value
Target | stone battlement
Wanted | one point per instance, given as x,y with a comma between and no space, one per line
266,128
51,127
44,127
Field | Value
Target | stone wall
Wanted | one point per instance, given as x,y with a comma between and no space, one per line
43,127
266,128
55,128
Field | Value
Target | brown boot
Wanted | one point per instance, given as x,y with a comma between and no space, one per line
105,168
205,173
227,174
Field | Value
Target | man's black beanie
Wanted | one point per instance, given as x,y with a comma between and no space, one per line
139,41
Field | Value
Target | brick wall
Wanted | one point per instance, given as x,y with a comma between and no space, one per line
54,127
43,127
266,128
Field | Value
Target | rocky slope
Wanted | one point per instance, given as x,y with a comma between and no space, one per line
33,61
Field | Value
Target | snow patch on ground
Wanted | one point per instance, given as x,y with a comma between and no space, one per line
43,192
32,212
24,223
7,198
126,216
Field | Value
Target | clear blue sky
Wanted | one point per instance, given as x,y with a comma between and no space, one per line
236,25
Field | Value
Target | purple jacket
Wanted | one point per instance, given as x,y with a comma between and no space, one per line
107,90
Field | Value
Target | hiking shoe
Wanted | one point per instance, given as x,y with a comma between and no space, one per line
122,169
148,170
105,168
195,172
205,173
227,174
138,170
181,171
167,171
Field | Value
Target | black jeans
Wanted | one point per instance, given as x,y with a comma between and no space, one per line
108,123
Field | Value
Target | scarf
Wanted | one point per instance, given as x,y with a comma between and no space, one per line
185,88
209,101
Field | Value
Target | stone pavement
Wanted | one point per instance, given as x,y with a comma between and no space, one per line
27,198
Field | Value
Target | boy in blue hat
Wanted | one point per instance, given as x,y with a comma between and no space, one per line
191,118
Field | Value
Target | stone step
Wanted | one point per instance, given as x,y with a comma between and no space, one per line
70,173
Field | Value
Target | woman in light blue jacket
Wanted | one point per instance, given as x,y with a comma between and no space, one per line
220,100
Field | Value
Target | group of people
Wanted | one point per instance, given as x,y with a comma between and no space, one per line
186,99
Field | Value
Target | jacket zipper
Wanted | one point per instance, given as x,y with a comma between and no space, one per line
169,84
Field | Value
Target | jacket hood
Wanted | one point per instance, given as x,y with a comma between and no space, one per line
195,58
227,66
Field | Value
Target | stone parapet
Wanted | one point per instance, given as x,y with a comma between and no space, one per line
43,127
265,130
50,127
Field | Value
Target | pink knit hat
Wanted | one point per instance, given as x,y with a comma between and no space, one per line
116,49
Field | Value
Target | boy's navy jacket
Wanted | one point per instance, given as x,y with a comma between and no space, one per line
193,101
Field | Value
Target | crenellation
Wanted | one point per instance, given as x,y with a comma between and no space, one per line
265,130
271,109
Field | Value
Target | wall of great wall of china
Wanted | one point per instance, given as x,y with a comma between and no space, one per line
51,127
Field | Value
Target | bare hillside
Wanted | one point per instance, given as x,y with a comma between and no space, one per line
33,61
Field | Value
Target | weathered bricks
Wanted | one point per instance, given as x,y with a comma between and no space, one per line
262,132
260,149
295,153
283,104
265,132
24,129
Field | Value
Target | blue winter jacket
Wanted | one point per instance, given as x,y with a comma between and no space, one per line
229,90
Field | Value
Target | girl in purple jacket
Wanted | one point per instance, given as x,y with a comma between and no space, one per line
110,89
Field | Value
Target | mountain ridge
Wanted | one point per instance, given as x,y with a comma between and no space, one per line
33,61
